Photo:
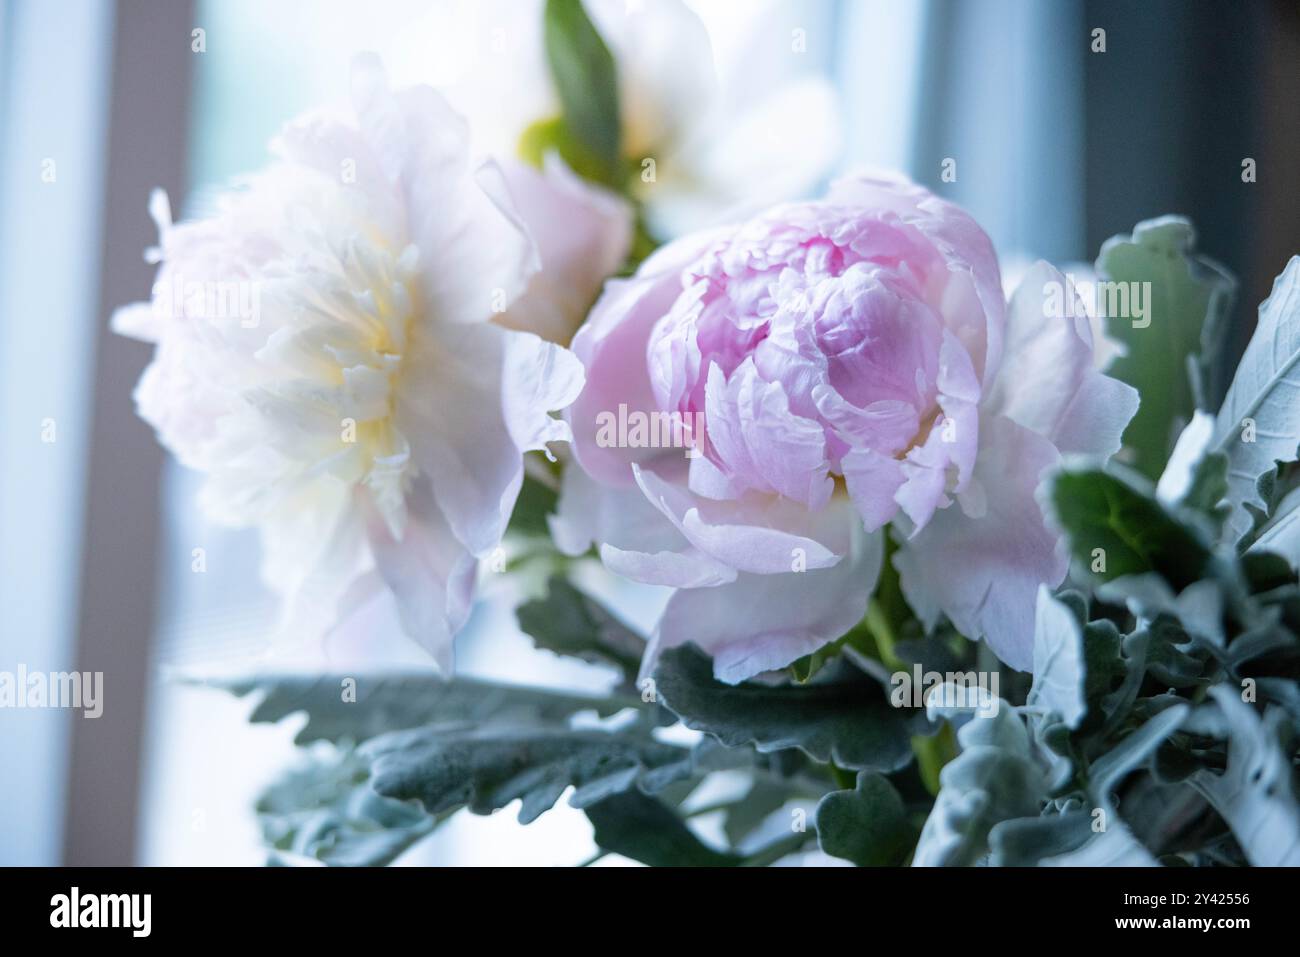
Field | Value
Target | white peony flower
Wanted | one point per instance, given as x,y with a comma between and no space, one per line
722,143
331,354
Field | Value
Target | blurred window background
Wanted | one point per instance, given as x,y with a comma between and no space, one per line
1054,148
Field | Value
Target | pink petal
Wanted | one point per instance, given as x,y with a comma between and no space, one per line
763,622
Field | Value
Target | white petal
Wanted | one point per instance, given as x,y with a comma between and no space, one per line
665,69
589,513
737,162
313,550
430,574
471,405
873,480
984,573
582,235
1048,382
612,347
687,568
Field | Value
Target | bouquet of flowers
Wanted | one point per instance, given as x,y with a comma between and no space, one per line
947,577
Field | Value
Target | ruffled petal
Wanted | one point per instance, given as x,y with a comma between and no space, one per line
684,568
972,301
312,552
612,347
476,254
752,431
589,513
762,535
873,481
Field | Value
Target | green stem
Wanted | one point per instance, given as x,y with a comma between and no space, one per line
883,633
886,614
844,780
932,753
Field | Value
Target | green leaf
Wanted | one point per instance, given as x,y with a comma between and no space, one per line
551,135
485,769
868,825
1199,607
1259,422
1279,539
385,703
586,81
803,669
1172,657
644,829
1103,665
568,622
1167,351
327,811
841,715
1117,514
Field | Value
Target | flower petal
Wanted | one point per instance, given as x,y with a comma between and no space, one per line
873,480
430,574
762,622
458,217
589,513
753,433
972,301
474,404
1048,382
612,347
984,573
761,535
582,235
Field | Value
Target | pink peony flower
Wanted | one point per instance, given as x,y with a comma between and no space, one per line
340,350
839,365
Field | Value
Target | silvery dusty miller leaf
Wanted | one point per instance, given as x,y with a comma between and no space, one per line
1058,660
1259,423
486,769
1255,793
840,715
1186,310
394,702
867,825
